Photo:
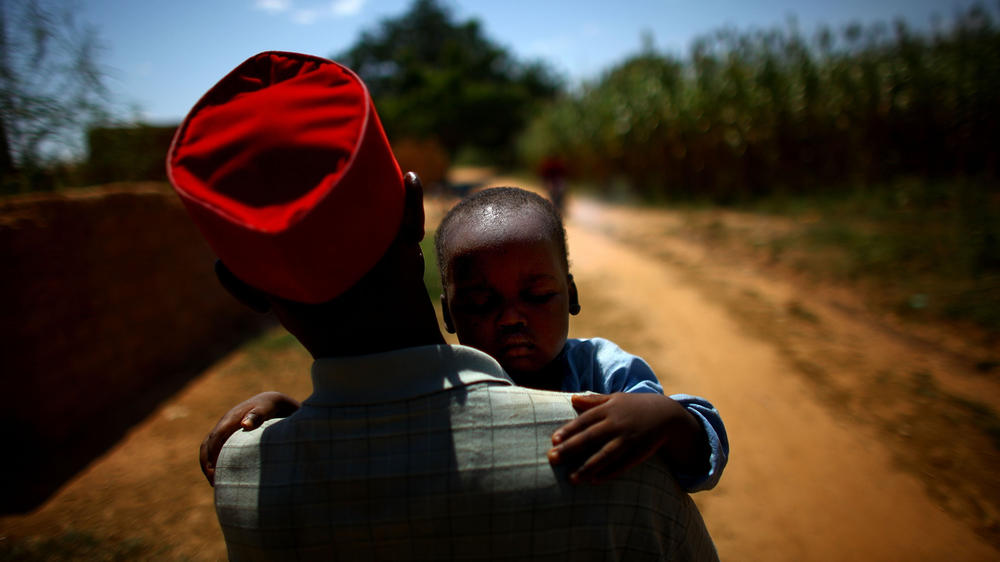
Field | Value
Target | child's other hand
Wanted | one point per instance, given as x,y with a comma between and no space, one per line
618,431
248,415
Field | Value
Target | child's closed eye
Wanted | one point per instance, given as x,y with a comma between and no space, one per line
540,298
475,302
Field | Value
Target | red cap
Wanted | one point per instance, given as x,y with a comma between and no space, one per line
285,169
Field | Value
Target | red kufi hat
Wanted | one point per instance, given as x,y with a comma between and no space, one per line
286,170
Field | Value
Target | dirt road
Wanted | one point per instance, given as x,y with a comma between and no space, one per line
802,484
809,479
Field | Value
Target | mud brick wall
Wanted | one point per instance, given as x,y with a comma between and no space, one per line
106,293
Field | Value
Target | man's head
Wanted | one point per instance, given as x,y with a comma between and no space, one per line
390,300
505,272
285,168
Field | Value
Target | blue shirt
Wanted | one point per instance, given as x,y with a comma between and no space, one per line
600,366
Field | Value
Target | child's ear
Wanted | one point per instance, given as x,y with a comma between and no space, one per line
448,324
574,296
254,299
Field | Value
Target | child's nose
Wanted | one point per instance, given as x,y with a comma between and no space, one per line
510,315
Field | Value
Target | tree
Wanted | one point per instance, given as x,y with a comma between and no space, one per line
433,77
51,88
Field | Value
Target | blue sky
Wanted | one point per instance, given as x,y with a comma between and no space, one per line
162,55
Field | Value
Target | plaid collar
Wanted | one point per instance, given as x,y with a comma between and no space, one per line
401,374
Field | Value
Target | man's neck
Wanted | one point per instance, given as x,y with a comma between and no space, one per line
370,331
359,343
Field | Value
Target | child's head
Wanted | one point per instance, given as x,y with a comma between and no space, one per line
505,276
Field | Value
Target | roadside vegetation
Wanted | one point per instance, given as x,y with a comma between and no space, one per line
923,251
879,138
79,545
432,276
753,113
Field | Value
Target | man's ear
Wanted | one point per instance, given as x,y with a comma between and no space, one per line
413,210
254,299
574,296
448,324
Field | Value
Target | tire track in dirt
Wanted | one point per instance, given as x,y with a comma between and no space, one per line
802,484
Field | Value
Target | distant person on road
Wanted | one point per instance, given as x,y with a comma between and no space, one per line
408,448
553,171
508,292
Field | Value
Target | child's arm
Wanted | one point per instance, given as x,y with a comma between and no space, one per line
248,415
718,443
617,431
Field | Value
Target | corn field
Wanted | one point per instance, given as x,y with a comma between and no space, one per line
753,113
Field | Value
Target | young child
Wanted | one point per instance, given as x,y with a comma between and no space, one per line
508,292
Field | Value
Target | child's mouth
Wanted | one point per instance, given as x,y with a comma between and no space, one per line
517,347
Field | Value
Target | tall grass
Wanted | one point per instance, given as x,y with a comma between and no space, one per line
757,112
889,132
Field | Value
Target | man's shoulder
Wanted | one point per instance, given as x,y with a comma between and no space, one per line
481,448
242,449
521,405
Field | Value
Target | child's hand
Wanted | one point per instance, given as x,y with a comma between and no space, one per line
618,431
248,414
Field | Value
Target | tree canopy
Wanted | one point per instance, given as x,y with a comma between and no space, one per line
434,77
51,87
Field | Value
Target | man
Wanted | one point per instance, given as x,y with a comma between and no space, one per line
408,448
